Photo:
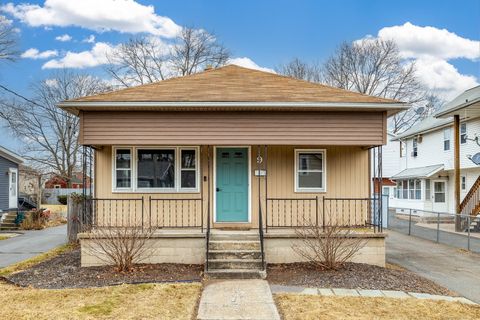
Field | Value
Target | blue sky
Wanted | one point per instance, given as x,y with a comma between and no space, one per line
441,36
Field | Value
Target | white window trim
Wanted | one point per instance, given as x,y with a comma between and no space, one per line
461,134
134,169
448,138
324,170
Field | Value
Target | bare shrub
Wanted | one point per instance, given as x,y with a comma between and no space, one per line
328,248
121,246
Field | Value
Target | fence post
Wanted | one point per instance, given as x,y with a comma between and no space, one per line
438,227
142,213
323,213
468,238
410,223
316,209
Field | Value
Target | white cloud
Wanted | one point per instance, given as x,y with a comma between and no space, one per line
126,16
431,49
35,54
248,63
89,39
85,59
64,38
443,77
415,41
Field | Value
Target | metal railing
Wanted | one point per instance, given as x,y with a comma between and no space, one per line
129,212
324,212
175,213
436,226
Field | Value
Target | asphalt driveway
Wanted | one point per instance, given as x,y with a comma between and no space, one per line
450,267
30,244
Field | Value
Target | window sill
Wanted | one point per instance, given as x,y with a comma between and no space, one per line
140,191
310,190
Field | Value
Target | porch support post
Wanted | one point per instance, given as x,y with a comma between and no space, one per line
456,151
380,188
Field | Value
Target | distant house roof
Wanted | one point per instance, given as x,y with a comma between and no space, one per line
234,87
10,155
466,104
427,124
420,172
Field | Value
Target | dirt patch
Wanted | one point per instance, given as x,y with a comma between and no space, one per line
353,276
64,271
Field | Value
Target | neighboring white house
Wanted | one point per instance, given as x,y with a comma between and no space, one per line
425,180
390,165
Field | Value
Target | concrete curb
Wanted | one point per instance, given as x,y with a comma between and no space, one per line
342,292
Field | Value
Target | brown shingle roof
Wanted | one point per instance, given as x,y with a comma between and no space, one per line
233,84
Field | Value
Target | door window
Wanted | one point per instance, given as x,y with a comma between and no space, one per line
439,191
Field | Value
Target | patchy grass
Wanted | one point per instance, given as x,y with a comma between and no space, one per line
144,301
295,306
25,264
4,237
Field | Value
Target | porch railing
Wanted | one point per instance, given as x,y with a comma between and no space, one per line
141,212
323,212
175,213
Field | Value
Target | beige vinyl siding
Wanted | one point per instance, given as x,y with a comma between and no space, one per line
233,128
347,176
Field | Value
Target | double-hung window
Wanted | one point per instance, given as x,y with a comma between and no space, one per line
123,169
446,139
310,170
415,147
150,169
463,133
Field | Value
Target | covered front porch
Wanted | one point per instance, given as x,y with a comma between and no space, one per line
231,187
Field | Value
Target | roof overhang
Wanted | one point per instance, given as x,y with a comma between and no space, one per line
420,172
469,108
75,107
7,154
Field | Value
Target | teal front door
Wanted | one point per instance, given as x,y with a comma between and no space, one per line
232,185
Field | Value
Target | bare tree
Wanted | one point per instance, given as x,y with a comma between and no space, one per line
147,59
121,246
8,40
328,248
139,61
50,134
375,67
195,50
300,70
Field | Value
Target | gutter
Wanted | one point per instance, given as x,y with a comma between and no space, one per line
68,104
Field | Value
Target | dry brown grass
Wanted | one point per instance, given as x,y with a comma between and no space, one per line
144,301
303,307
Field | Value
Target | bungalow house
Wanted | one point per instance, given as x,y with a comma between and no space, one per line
227,162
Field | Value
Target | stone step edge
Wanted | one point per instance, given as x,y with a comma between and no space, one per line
235,251
235,260
343,292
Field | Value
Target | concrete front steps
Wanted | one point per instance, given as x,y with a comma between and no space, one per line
235,255
8,221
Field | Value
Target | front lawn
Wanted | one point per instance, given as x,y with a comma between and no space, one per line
144,301
304,307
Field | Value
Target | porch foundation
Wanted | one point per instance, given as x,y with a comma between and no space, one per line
189,248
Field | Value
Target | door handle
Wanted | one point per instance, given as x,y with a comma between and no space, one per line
218,189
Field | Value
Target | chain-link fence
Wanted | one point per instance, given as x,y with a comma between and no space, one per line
461,231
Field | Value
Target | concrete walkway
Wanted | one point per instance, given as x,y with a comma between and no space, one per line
237,299
340,292
454,269
30,244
